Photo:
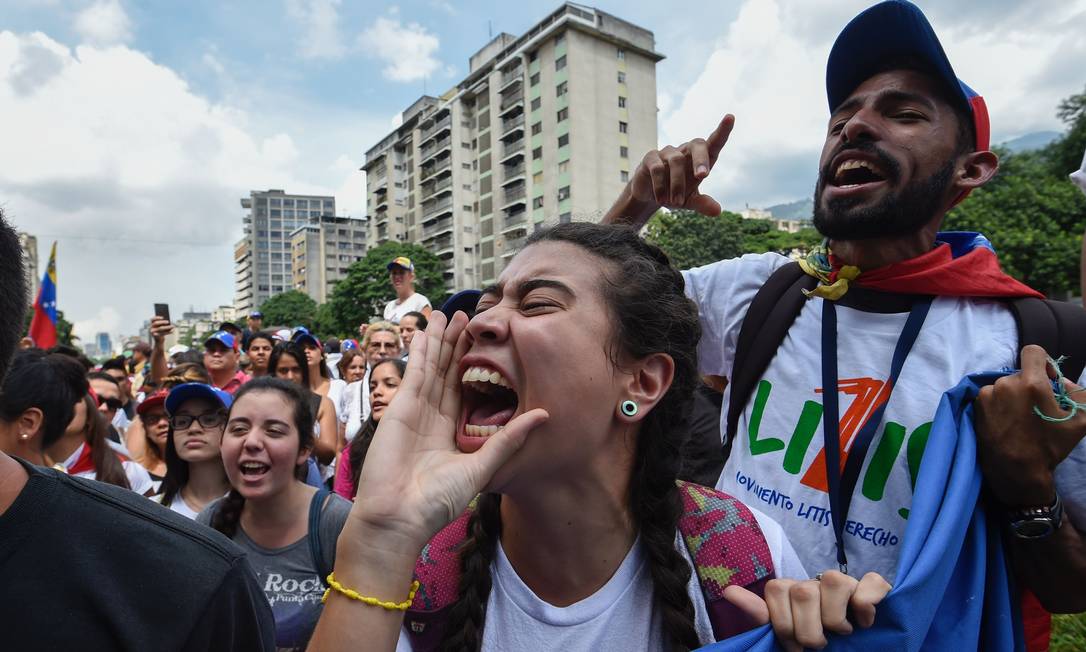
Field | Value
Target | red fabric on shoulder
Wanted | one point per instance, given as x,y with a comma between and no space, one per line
1036,623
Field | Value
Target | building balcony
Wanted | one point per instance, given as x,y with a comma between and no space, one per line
438,228
382,204
515,148
379,172
513,245
434,147
511,77
512,126
444,185
437,209
514,195
382,187
513,173
512,104
439,127
434,170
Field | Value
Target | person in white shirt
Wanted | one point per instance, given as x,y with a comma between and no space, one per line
401,272
382,341
194,471
574,543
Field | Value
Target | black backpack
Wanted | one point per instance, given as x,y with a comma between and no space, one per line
1057,326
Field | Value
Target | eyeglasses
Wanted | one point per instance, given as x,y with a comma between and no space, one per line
111,403
209,420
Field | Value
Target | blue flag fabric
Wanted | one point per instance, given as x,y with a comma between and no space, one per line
953,588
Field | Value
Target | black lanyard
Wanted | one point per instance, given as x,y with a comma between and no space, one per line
843,482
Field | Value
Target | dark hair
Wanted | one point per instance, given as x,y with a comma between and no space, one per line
51,382
360,445
187,357
260,335
345,361
332,345
228,513
119,363
294,351
13,294
177,469
421,322
107,466
73,353
651,314
101,375
188,372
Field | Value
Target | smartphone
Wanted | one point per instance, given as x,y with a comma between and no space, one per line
162,310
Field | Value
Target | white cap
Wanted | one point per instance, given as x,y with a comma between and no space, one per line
177,348
283,335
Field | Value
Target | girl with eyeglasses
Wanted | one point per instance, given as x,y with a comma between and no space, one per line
194,470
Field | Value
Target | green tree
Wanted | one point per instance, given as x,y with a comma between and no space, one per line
760,237
64,328
691,239
291,308
1034,219
1064,155
363,293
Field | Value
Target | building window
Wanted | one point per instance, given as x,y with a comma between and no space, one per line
534,79
621,77
537,153
621,102
537,178
563,193
560,62
466,166
623,176
561,89
563,114
563,140
467,209
537,202
621,54
537,128
536,103
563,167
532,56
622,127
623,151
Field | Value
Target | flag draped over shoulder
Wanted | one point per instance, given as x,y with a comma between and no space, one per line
953,589
43,325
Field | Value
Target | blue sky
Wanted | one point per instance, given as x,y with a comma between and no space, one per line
131,129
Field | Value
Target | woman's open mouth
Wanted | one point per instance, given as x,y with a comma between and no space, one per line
253,470
489,402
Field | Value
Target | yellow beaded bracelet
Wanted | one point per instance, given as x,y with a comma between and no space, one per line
333,585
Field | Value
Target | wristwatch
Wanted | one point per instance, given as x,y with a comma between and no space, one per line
1037,522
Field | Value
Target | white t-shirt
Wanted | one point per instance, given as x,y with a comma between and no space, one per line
619,616
138,477
776,461
336,389
395,310
356,408
178,505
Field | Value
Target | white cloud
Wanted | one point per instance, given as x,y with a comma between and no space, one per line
106,320
768,68
213,63
104,23
407,49
320,20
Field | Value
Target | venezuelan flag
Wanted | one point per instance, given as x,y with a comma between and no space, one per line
43,325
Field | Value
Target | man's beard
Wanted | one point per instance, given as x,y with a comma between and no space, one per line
900,213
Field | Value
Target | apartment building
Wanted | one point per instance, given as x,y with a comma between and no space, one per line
545,128
263,265
29,245
321,252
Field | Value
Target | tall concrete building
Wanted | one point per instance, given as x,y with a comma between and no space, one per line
262,258
321,252
545,128
29,246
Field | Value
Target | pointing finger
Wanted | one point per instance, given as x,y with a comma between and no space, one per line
719,137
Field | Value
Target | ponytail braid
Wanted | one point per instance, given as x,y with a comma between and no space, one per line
464,628
228,514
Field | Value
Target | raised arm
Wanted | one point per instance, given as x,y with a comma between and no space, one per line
671,177
160,328
415,482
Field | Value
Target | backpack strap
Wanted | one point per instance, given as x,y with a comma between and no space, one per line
438,573
728,548
316,505
1058,327
771,313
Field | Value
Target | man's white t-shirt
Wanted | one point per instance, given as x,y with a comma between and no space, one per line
776,462
395,309
619,616
356,406
336,389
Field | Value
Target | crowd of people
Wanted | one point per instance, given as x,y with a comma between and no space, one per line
527,467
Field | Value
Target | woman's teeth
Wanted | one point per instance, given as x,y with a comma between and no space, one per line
253,468
480,431
484,375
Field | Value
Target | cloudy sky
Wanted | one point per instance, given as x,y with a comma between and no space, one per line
130,130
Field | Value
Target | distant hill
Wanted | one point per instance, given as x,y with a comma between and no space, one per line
1035,140
801,209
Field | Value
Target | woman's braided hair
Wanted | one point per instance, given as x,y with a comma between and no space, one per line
651,314
228,514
